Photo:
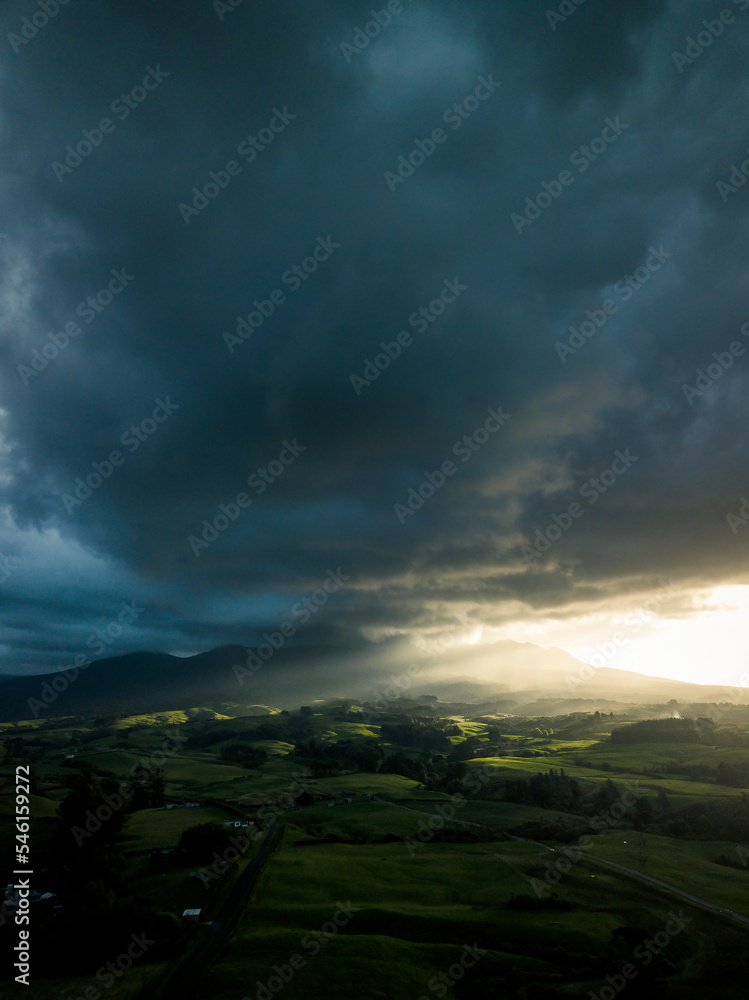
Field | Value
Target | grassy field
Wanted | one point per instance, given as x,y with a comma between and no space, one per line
685,864
281,777
392,786
172,891
149,828
410,918
680,786
132,986
495,816
358,821
417,899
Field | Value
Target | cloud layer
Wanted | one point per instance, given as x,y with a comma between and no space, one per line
607,148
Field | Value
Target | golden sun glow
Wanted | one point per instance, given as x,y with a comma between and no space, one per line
709,644
698,636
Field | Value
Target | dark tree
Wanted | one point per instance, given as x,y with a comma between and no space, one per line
200,842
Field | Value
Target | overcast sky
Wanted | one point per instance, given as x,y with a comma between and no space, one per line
510,172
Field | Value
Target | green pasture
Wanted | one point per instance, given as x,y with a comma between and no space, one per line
513,768
162,827
416,913
687,865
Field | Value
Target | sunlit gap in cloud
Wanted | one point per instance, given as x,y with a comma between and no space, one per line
697,635
704,643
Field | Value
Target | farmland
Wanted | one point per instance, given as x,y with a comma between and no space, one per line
437,830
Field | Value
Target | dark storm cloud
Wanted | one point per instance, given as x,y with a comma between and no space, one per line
322,178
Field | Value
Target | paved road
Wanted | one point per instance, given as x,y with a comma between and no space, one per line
670,888
184,982
648,878
246,882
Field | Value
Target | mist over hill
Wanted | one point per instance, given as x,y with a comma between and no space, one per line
511,676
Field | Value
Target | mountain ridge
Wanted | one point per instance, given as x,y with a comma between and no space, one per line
144,682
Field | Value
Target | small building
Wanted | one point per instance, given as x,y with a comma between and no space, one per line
191,914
